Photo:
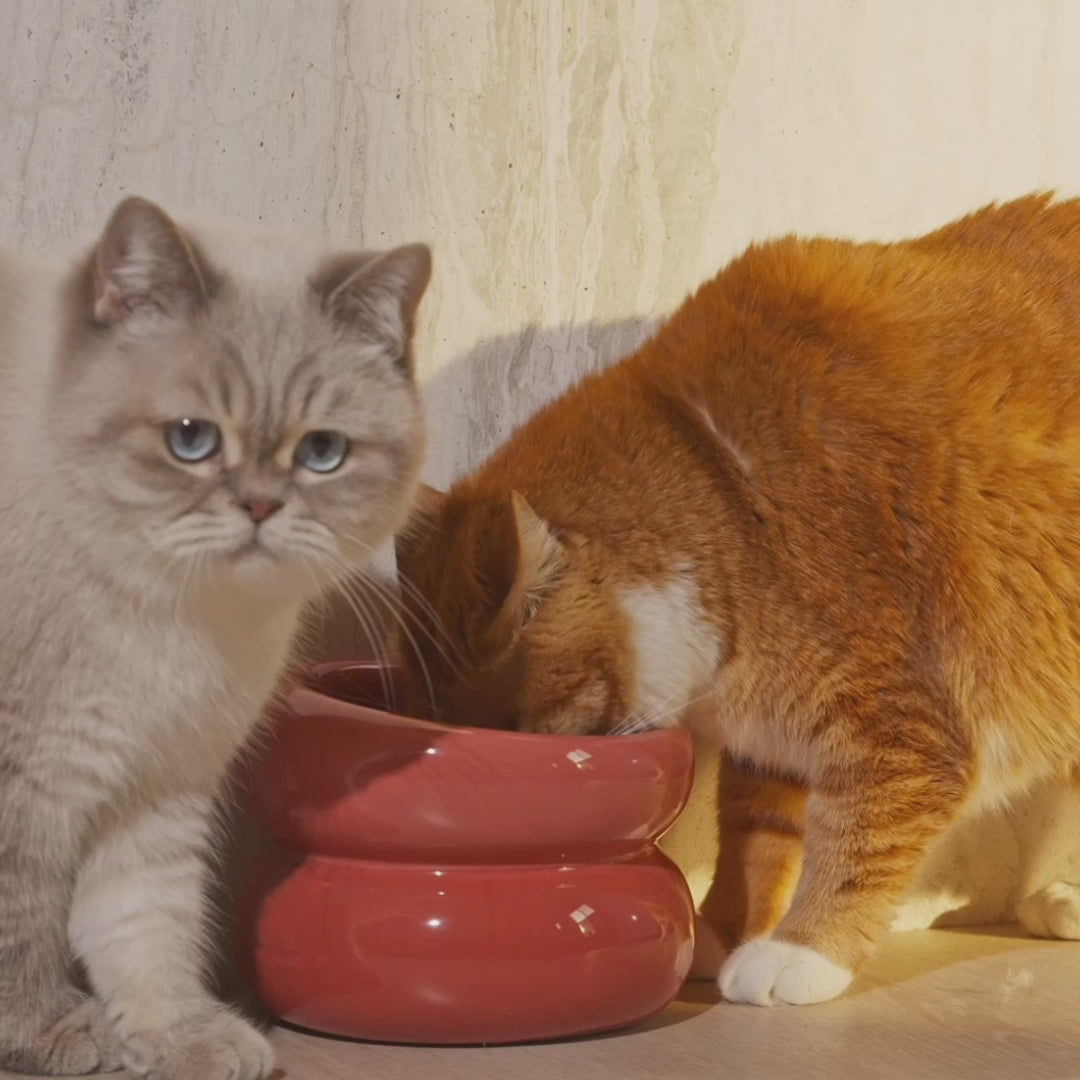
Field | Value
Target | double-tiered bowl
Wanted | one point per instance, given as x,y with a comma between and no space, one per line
451,885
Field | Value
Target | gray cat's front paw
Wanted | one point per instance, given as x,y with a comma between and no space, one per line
78,1042
215,1044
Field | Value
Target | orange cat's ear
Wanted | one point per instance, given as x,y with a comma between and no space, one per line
427,503
540,556
145,271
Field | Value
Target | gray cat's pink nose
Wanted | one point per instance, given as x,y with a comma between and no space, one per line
260,509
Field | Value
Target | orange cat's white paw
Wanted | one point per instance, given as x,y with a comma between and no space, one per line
1052,912
768,972
709,954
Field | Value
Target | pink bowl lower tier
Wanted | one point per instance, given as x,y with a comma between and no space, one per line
473,955
521,926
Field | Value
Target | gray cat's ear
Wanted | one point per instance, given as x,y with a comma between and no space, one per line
375,296
145,270
427,503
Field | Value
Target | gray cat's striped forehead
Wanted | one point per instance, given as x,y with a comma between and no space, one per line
266,357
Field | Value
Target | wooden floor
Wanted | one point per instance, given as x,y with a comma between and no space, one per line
933,1005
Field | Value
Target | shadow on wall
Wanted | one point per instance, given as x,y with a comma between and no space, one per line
476,402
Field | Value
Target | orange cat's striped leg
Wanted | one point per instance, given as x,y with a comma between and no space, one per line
869,820
761,828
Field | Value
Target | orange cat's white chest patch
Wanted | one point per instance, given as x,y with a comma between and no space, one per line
675,649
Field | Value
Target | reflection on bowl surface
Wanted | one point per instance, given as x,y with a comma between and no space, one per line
460,885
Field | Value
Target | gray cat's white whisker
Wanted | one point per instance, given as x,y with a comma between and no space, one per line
347,585
401,614
401,608
398,615
369,626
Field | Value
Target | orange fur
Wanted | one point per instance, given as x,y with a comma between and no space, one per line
760,856
853,472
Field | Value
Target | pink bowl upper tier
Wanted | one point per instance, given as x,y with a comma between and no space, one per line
342,777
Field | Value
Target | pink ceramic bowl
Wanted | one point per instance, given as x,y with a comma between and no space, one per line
462,885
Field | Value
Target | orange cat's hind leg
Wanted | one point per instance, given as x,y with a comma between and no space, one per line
1052,912
891,780
761,828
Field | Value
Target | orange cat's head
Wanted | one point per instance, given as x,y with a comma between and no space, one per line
507,622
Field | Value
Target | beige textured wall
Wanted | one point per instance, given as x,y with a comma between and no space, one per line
577,165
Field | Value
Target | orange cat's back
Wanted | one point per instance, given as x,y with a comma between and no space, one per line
988,306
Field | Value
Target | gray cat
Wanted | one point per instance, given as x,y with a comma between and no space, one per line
199,432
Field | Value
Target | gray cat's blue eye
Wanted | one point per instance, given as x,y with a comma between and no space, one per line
322,451
192,441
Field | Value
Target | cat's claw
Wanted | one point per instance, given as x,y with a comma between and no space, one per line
1052,912
769,972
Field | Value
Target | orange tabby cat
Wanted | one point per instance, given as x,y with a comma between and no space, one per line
832,510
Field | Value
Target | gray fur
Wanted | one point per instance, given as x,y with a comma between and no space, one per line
140,637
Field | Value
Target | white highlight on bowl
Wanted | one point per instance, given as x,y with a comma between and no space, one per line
582,913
